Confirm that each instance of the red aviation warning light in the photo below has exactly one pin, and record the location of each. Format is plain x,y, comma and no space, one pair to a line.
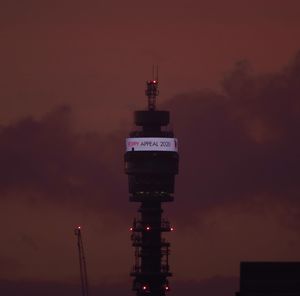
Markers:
144,288
77,230
152,90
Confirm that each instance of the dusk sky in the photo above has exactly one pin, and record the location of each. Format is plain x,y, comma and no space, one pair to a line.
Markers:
73,72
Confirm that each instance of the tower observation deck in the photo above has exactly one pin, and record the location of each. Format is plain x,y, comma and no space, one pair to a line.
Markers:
151,163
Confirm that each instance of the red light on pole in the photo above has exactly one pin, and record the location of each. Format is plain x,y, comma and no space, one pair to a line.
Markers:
148,228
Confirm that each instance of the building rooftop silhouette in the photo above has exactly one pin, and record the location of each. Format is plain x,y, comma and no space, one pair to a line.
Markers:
269,279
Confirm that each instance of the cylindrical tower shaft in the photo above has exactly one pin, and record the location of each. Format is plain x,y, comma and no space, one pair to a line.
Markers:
151,163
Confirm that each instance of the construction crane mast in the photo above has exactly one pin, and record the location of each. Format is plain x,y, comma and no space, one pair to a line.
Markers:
82,263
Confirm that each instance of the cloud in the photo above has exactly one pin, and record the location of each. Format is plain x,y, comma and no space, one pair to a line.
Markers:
236,145
241,143
47,158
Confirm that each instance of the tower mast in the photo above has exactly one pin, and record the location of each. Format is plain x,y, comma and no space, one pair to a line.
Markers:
151,163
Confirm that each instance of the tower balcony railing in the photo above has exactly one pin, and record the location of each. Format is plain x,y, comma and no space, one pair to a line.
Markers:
164,268
162,196
139,226
138,241
165,252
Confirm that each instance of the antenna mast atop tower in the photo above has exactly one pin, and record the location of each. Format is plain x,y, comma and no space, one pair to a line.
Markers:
152,89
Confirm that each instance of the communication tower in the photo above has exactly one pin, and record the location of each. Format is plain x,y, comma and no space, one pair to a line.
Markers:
151,163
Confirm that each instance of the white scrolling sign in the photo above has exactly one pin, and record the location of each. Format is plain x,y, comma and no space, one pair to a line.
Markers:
152,144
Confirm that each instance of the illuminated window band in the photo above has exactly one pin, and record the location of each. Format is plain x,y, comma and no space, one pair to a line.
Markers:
152,144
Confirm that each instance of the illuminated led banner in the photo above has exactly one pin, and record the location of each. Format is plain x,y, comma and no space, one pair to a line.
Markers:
151,144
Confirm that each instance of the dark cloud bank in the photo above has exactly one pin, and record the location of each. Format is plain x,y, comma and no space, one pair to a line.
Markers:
47,159
234,146
241,143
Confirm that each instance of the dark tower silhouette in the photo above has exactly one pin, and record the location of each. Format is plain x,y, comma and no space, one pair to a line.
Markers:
151,163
